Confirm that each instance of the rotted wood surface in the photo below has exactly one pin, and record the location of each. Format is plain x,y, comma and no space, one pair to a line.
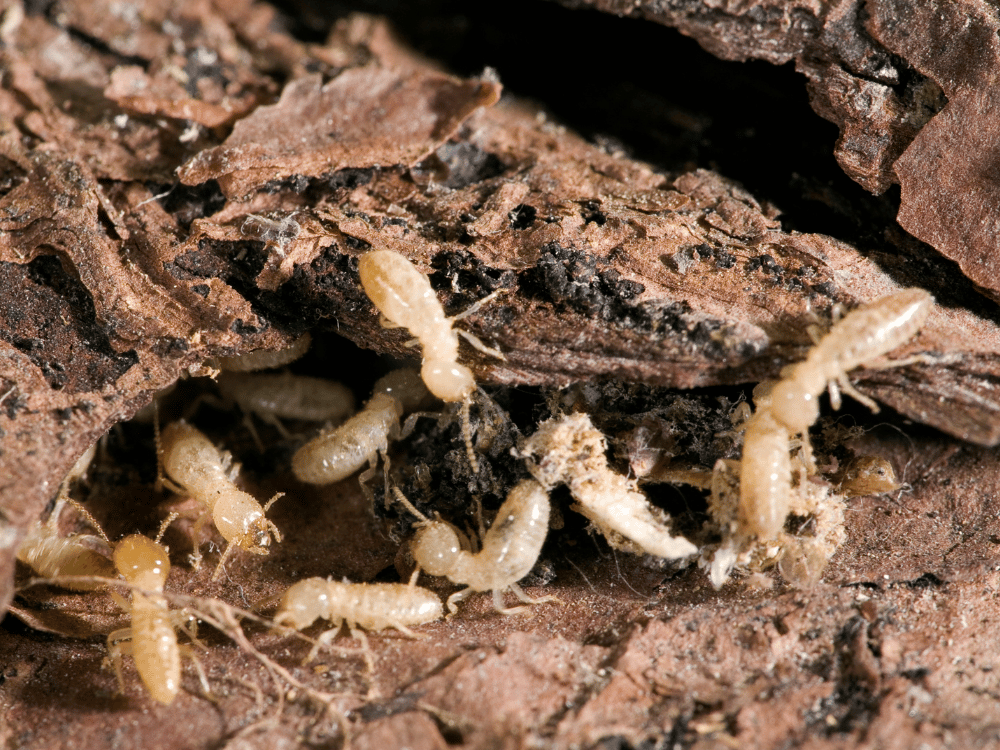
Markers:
193,182
910,84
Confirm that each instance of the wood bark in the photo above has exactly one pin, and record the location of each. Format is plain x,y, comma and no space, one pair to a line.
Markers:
192,182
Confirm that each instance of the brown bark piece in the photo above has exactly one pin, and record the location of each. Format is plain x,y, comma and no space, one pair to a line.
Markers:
365,117
410,730
949,174
853,80
933,133
134,91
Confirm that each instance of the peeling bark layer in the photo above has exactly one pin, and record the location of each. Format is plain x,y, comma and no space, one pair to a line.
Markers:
911,85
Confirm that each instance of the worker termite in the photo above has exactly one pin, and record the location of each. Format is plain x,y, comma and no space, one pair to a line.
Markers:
152,640
266,360
336,454
788,408
372,606
197,467
800,549
509,550
274,396
570,450
405,298
52,555
765,475
860,338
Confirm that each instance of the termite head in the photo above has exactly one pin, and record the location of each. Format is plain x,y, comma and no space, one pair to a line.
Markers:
405,387
255,537
868,475
436,548
142,561
794,405
241,521
449,381
302,603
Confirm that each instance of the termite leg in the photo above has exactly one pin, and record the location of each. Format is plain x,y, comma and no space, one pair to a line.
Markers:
199,525
367,475
222,561
276,423
411,422
498,605
384,322
248,423
188,652
455,598
187,623
327,636
119,645
845,385
519,593
478,344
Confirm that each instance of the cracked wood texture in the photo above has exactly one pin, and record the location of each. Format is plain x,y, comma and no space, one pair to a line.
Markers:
910,84
187,180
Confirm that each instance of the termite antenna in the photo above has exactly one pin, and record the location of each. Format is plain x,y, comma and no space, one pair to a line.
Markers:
163,526
87,517
272,501
408,505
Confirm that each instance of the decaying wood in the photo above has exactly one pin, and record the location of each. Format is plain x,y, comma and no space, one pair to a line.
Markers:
191,181
912,86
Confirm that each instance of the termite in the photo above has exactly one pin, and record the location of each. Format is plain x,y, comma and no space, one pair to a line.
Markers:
267,360
198,469
859,338
52,555
274,396
868,475
790,406
765,475
509,550
372,606
405,298
570,450
336,454
144,564
800,550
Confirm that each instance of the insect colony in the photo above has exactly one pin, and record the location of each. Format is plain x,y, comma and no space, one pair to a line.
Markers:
752,504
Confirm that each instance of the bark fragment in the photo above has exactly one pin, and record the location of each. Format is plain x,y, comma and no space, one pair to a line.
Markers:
911,85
